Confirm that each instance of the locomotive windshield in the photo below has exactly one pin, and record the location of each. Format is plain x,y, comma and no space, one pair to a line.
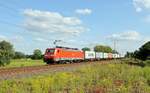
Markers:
50,51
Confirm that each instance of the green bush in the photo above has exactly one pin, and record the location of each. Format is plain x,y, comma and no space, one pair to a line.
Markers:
6,53
37,54
147,62
19,55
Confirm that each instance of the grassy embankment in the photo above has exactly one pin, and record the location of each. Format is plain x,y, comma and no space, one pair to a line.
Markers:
94,78
24,62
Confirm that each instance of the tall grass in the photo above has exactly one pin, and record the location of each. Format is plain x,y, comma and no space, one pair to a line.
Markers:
24,62
95,78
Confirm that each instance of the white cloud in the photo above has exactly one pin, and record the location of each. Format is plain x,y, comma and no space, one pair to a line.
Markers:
141,4
41,40
14,39
146,39
84,11
128,35
51,22
3,38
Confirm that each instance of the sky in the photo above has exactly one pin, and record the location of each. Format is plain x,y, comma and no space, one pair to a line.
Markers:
36,24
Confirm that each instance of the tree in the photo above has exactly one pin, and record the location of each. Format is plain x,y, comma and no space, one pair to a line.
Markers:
19,55
101,48
86,49
136,54
115,52
6,53
144,51
37,54
29,56
129,55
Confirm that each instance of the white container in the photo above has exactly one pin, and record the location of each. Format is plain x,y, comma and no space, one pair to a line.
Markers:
99,55
122,56
115,55
118,56
89,55
105,55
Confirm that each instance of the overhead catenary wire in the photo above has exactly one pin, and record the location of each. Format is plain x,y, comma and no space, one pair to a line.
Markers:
15,3
12,12
9,11
11,24
8,7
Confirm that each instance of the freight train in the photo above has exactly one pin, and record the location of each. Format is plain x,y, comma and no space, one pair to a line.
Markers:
71,55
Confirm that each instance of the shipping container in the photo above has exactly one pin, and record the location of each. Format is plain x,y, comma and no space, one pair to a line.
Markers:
105,55
122,56
99,55
118,56
114,55
110,56
89,55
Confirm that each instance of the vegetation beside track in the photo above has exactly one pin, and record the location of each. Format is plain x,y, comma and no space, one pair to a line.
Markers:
24,62
132,61
93,78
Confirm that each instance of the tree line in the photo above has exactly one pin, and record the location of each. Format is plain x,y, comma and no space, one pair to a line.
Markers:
7,53
37,54
143,53
101,48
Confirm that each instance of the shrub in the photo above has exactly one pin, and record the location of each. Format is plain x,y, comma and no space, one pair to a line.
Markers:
37,54
6,53
147,62
19,55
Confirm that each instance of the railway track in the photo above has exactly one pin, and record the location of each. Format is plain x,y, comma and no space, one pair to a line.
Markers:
20,72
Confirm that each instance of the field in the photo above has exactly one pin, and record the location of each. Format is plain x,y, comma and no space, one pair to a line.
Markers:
91,78
24,62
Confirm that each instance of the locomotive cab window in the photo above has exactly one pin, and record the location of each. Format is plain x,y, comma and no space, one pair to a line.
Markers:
50,51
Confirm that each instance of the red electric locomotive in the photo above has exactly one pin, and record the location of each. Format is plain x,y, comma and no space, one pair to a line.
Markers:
63,54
